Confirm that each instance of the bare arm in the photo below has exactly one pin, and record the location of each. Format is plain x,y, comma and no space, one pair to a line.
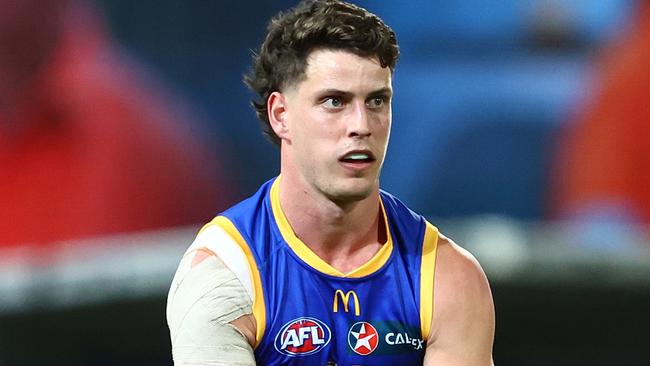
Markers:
209,313
462,330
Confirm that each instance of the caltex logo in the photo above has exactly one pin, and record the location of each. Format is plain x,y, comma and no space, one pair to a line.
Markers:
363,338
302,336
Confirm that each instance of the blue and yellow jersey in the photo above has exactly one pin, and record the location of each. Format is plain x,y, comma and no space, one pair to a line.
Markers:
309,313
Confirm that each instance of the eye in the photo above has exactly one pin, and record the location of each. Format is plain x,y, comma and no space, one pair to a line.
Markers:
333,102
376,102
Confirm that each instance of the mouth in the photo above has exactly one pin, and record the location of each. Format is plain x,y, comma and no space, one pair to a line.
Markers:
361,157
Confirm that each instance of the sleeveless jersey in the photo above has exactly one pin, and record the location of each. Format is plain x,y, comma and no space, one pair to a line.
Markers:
309,313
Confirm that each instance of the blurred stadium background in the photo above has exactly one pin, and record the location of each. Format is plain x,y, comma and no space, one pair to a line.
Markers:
483,89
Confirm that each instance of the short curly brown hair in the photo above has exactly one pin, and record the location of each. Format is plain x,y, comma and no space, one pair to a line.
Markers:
312,24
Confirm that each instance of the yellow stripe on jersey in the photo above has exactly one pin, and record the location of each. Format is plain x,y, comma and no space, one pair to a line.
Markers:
259,308
311,258
427,273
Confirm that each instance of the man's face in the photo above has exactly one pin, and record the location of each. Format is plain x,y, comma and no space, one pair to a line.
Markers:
339,120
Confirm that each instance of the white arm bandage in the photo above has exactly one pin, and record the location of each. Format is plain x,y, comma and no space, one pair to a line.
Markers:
204,298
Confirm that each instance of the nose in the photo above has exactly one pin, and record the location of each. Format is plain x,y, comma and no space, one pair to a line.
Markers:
359,124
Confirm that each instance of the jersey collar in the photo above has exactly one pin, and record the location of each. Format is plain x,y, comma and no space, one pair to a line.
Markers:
311,258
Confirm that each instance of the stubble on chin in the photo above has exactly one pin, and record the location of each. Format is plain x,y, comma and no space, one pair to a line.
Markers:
344,195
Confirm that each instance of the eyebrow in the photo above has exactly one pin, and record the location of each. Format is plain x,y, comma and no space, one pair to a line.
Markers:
337,92
383,91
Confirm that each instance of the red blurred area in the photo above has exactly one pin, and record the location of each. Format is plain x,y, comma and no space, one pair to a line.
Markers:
603,165
89,144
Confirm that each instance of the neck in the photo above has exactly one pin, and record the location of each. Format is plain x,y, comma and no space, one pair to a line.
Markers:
344,234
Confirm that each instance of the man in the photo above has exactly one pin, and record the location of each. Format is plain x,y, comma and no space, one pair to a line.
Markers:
320,267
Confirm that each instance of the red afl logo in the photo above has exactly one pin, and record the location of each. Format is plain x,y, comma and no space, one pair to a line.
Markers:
302,336
363,338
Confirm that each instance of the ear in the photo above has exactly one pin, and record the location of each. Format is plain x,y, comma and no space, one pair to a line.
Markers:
276,106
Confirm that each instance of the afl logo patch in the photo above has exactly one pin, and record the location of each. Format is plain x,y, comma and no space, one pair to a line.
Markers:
363,338
302,336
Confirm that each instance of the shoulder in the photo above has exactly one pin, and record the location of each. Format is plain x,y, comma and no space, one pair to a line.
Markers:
461,287
216,243
401,216
463,311
212,284
458,266
209,305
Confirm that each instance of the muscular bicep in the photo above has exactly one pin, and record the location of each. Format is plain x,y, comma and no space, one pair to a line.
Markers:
463,319
209,313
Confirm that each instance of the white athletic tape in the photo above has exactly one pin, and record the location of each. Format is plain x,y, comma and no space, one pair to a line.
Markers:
218,241
202,301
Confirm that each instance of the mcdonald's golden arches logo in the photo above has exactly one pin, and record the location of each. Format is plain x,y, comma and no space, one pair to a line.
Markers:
345,297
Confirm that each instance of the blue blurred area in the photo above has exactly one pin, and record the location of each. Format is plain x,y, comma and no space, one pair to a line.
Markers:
429,27
205,47
480,90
